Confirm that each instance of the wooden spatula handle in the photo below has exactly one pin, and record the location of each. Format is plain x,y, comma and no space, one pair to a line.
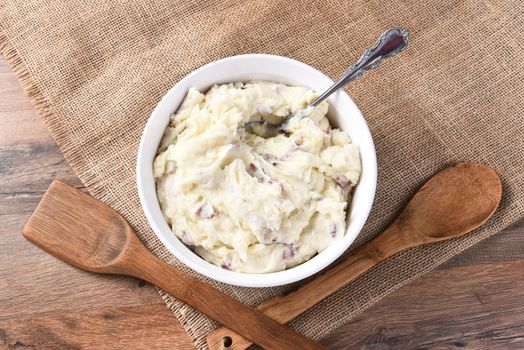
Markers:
88,234
259,328
285,308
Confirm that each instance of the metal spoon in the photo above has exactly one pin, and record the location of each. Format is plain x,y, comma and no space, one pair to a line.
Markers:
392,42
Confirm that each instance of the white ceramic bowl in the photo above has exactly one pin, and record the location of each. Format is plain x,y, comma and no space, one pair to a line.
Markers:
343,113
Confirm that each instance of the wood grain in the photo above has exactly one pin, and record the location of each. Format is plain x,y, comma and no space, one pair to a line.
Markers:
37,290
470,307
148,326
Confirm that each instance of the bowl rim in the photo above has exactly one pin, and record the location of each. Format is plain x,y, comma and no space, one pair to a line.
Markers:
272,279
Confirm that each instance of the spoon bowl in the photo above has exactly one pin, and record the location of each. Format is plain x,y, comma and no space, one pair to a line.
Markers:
452,203
389,44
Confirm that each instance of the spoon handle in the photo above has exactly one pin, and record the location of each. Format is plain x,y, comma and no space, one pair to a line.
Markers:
392,42
287,307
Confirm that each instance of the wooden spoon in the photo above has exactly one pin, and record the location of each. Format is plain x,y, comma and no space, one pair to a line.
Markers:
90,235
452,203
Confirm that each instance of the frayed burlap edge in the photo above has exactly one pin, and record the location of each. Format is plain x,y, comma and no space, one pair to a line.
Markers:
17,64
45,113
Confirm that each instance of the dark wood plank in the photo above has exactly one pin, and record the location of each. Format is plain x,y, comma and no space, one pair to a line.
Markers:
469,307
506,245
147,326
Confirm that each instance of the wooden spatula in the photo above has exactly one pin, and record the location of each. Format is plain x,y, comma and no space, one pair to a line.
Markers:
88,234
452,203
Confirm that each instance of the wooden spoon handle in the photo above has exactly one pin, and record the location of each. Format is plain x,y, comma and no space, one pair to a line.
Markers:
285,308
452,203
254,325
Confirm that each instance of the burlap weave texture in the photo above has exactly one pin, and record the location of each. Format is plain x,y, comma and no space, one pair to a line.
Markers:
96,69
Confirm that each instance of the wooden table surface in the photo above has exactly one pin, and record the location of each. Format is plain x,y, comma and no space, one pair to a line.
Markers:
475,301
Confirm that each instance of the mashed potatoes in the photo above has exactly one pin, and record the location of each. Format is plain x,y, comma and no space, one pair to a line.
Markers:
251,204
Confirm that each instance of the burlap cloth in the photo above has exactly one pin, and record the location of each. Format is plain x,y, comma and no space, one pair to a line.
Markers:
96,69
